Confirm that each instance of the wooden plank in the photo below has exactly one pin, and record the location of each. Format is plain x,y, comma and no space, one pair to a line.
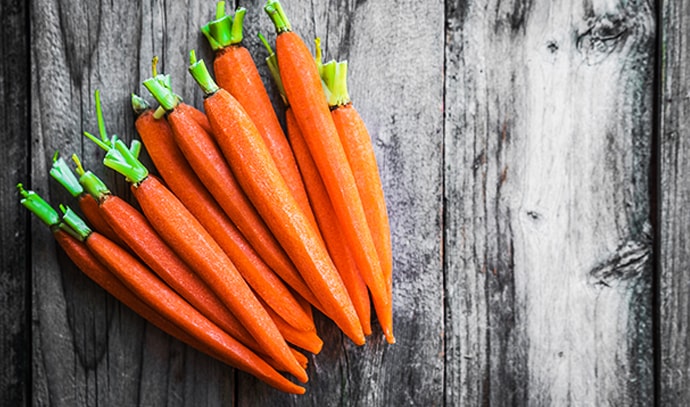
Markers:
14,276
674,192
401,102
547,149
88,349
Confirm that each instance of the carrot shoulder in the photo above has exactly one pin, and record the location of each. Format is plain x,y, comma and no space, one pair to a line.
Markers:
305,94
183,232
256,171
236,72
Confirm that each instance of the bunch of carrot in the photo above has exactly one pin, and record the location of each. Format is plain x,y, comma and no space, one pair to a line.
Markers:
242,234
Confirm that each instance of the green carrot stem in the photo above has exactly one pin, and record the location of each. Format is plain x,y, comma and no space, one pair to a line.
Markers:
162,92
99,116
201,75
275,11
63,174
120,159
139,104
319,55
135,148
272,62
104,145
38,206
159,113
225,30
334,76
73,224
93,185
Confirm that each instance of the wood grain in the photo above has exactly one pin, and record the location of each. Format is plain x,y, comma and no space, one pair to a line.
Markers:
88,349
547,148
514,144
674,190
14,254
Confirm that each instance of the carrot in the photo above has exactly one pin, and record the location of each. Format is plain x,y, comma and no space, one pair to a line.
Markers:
207,161
188,238
256,171
325,215
61,172
183,182
323,209
79,253
170,305
356,142
305,94
139,235
236,72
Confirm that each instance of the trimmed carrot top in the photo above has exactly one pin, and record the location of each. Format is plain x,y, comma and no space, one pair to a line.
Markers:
225,30
63,174
275,11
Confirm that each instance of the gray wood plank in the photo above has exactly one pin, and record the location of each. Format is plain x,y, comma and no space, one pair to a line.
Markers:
547,252
401,101
14,287
521,128
674,191
87,348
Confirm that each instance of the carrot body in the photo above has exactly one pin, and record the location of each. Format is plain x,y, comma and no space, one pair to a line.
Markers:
183,182
200,118
357,145
236,72
181,230
165,301
252,162
328,223
305,93
139,235
207,160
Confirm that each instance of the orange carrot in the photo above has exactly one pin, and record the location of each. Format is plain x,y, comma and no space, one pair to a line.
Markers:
305,94
70,234
250,159
158,138
323,209
206,158
165,301
236,72
188,238
139,235
325,216
360,154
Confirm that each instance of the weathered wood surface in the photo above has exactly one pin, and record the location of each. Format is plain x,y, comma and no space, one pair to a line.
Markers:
674,201
547,145
514,140
14,274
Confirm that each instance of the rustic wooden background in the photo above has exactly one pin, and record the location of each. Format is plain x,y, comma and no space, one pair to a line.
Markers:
533,155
